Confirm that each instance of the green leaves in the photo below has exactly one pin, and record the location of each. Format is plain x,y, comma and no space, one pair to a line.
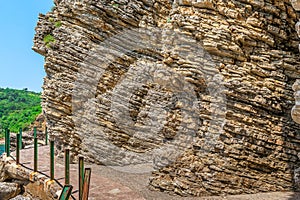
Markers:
57,24
18,108
116,5
48,40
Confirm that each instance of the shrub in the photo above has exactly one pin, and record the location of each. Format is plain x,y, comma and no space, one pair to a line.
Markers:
115,5
48,40
57,24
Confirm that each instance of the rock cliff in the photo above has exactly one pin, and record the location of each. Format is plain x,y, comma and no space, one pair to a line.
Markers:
198,91
296,109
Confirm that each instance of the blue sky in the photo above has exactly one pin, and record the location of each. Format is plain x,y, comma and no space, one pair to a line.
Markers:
21,67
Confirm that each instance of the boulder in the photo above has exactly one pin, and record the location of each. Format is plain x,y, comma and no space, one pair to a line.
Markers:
20,197
9,190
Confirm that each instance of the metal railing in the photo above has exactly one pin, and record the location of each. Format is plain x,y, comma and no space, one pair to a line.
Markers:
84,173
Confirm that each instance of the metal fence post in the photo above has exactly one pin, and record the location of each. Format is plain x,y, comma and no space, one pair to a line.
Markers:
67,166
7,144
81,176
5,137
46,136
21,144
18,149
66,192
51,160
35,151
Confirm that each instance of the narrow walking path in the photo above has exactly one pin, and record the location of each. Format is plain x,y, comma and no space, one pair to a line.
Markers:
111,184
100,187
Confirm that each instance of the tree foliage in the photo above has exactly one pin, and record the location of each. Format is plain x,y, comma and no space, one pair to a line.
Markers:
18,108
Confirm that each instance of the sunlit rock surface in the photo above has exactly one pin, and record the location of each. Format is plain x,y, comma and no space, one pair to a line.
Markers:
199,92
296,108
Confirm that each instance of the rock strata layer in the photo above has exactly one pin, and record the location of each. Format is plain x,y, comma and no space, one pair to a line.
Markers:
296,108
200,91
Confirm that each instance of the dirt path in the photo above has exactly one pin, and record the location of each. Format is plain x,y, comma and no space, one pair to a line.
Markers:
108,183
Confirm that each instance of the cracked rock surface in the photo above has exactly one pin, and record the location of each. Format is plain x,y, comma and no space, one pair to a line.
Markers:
200,92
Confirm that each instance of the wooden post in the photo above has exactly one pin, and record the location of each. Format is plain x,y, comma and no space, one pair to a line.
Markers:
86,184
81,176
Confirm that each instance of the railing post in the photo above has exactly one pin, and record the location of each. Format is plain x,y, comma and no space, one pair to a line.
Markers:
67,166
7,142
86,184
51,160
18,149
66,192
81,176
35,151
20,142
5,137
46,136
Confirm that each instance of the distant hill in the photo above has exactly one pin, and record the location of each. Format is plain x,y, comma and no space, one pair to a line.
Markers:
18,108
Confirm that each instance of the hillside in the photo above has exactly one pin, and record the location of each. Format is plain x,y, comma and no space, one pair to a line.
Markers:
18,108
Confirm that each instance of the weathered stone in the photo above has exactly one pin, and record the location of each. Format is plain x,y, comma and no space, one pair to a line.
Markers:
201,90
20,197
34,185
296,108
9,190
296,4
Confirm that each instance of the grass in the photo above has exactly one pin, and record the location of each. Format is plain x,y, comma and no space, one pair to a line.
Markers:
48,40
51,19
115,5
57,24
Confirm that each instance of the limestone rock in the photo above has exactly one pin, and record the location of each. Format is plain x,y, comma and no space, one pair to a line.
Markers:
9,190
200,91
20,197
296,4
296,108
3,172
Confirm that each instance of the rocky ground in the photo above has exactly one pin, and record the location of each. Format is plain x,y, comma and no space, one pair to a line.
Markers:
10,187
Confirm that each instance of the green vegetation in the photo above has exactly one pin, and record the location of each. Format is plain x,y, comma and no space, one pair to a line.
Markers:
115,5
54,22
48,39
57,24
51,20
18,109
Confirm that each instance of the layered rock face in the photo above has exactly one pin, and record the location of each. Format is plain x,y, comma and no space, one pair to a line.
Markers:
198,91
296,108
296,87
